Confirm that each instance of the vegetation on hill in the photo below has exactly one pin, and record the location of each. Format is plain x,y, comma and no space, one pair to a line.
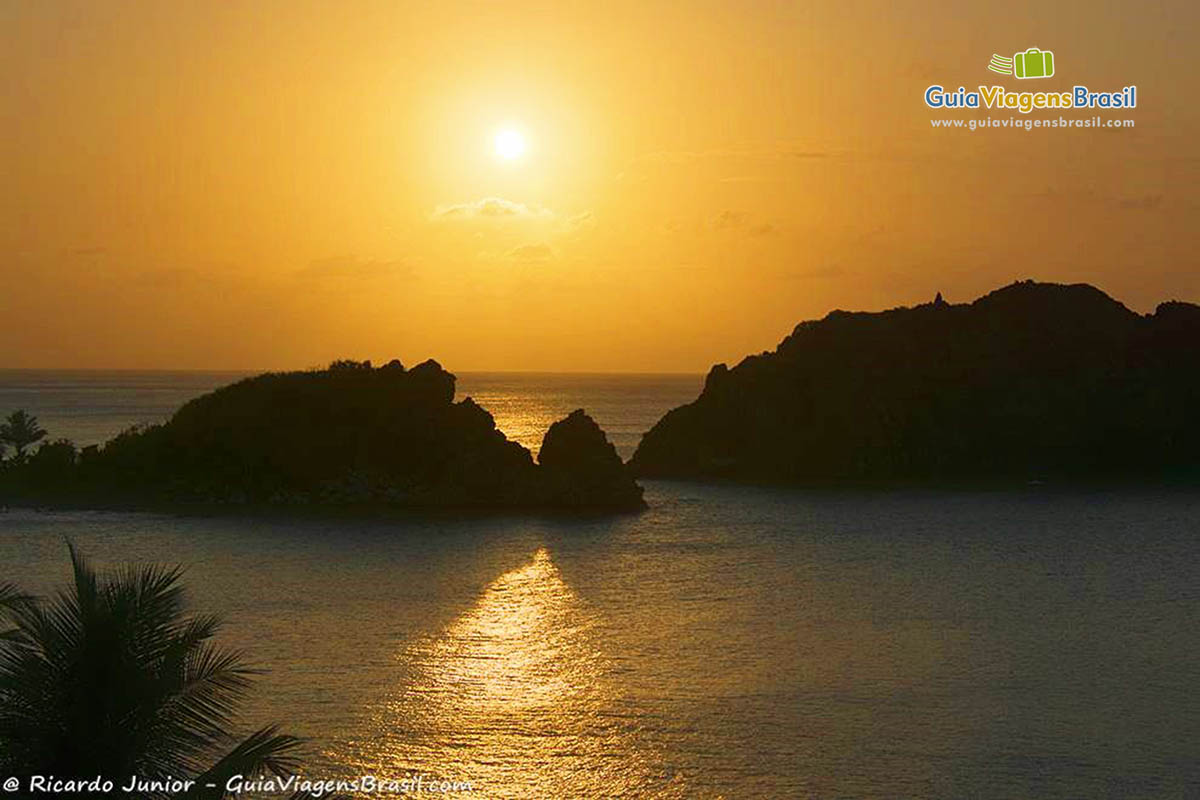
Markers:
350,435
1032,381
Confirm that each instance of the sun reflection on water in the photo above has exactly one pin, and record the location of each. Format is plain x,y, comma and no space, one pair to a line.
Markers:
514,696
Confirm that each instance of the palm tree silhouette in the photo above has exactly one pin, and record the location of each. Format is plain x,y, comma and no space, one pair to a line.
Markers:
112,678
21,429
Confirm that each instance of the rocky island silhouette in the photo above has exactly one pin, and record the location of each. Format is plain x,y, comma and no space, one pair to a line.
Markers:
1032,382
350,436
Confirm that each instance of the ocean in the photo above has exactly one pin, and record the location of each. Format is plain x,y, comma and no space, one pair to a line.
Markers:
728,642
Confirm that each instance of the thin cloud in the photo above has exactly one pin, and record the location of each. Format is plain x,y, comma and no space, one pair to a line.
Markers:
1142,202
1147,202
491,208
738,165
531,253
740,222
752,154
729,220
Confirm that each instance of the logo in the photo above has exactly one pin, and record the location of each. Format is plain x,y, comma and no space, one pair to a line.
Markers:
1025,65
1033,63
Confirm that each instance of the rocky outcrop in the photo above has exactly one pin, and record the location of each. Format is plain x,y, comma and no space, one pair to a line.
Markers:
582,468
347,436
1032,381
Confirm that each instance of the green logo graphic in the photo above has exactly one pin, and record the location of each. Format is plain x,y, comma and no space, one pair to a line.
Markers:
1033,63
1001,64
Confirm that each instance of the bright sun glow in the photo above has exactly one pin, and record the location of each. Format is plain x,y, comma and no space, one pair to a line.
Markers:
510,144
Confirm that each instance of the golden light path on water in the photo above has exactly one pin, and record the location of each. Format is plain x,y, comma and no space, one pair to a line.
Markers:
514,696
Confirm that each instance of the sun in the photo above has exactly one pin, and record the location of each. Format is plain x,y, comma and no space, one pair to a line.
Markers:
509,144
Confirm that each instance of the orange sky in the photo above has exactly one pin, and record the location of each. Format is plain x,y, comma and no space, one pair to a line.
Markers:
269,185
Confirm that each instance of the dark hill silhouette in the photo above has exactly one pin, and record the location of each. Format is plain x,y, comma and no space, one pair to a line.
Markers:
350,435
580,463
1031,381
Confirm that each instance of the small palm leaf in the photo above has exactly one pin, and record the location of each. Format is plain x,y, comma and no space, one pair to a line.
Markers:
265,750
10,600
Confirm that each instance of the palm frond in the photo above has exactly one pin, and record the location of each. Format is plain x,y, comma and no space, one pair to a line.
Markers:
85,579
112,676
201,687
11,599
265,750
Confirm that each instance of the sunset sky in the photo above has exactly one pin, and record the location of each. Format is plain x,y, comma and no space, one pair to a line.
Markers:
271,185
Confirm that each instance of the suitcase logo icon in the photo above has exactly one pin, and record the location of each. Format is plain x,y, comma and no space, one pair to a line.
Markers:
1033,63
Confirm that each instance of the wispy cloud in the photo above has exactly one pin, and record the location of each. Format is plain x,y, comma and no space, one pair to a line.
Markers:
491,208
1150,201
766,164
581,220
740,222
531,253
782,151
1147,202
